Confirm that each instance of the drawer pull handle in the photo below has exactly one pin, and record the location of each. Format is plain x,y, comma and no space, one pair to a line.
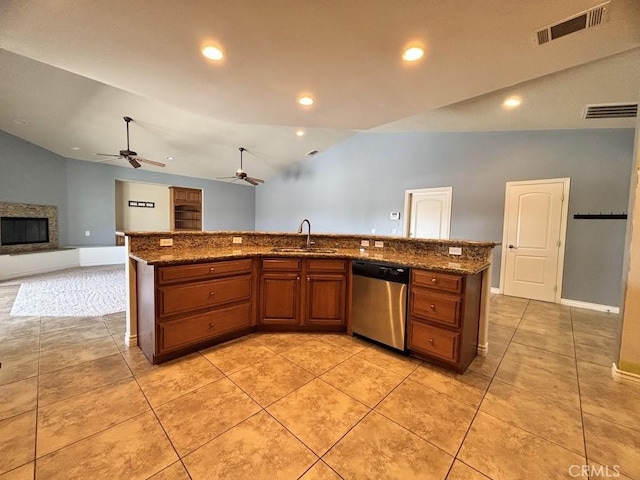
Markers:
308,279
212,325
212,269
431,341
432,306
434,280
211,294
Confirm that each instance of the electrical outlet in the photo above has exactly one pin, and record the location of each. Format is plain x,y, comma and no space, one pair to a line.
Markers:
364,243
166,242
455,250
394,216
373,230
394,231
237,239
379,244
87,233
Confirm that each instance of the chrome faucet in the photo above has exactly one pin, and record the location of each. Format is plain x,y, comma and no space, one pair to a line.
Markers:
308,231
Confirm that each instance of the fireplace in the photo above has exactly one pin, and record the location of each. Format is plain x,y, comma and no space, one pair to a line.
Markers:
23,230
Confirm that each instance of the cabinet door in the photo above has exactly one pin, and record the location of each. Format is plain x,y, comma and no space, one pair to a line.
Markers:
325,299
193,196
279,299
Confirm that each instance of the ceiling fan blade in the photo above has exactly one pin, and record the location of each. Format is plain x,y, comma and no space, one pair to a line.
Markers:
134,163
257,180
226,178
251,181
150,162
107,155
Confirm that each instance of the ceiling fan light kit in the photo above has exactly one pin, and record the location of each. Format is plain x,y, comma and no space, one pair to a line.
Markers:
132,157
242,175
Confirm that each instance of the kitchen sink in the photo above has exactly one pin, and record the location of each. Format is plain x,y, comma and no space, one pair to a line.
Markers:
303,250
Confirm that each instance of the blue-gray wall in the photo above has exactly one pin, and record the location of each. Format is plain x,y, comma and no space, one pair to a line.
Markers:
84,192
353,186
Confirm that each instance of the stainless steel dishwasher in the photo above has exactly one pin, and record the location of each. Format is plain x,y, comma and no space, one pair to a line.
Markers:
379,307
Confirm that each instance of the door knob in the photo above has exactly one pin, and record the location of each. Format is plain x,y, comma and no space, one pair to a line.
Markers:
512,247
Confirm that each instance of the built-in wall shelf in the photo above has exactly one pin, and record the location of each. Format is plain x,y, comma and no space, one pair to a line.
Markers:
186,208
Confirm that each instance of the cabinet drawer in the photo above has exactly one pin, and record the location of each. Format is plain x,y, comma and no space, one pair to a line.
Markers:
192,296
287,264
321,265
186,331
433,341
438,281
435,307
201,271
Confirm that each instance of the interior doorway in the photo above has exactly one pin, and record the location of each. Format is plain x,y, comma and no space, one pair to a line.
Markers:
535,227
427,212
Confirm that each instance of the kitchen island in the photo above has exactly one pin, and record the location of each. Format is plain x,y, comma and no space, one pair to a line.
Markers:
189,290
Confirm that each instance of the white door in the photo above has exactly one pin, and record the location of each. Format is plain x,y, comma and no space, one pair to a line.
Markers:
427,212
533,241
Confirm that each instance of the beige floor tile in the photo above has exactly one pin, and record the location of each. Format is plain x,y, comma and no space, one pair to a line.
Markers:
17,327
18,397
461,471
502,451
17,440
589,340
548,309
176,378
19,346
270,380
396,362
320,471
596,355
604,325
500,332
535,380
545,325
318,414
365,381
605,472
498,347
259,448
379,448
429,414
138,363
486,365
175,471
467,388
561,343
616,402
49,324
593,373
511,304
69,336
78,417
76,353
78,379
281,342
611,444
550,362
504,320
25,472
199,416
135,449
348,343
18,366
233,356
546,418
316,356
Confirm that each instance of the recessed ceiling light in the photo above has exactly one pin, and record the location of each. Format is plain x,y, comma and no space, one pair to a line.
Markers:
169,158
19,122
512,102
305,100
75,148
214,53
300,133
412,54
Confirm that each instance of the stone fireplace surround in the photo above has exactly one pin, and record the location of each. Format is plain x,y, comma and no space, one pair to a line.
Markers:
36,211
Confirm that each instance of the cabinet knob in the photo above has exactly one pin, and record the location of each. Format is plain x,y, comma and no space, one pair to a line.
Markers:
431,341
212,325
434,280
297,279
211,294
212,269
432,306
308,279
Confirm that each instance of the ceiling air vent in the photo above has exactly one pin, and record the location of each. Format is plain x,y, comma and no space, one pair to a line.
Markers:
590,18
611,110
312,153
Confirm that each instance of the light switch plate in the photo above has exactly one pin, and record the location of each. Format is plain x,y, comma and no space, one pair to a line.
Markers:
166,242
364,243
237,239
379,244
455,250
394,216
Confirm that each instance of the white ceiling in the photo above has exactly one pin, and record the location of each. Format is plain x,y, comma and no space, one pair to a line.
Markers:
73,68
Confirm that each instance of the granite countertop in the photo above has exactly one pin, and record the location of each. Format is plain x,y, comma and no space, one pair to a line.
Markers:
196,255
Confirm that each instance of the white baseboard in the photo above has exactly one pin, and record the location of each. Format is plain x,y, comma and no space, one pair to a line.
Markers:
496,290
589,306
483,350
131,340
624,377
93,256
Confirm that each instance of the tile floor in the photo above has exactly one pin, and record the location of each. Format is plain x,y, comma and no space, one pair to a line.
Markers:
76,403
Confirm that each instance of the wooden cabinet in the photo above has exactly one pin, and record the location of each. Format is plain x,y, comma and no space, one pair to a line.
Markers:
305,293
187,307
185,208
444,314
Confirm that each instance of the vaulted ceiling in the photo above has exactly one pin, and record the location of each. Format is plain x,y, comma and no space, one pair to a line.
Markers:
71,69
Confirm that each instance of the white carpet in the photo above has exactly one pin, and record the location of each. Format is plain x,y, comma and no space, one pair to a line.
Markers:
78,292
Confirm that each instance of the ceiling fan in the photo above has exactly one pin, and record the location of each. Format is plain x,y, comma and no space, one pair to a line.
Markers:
241,174
128,154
